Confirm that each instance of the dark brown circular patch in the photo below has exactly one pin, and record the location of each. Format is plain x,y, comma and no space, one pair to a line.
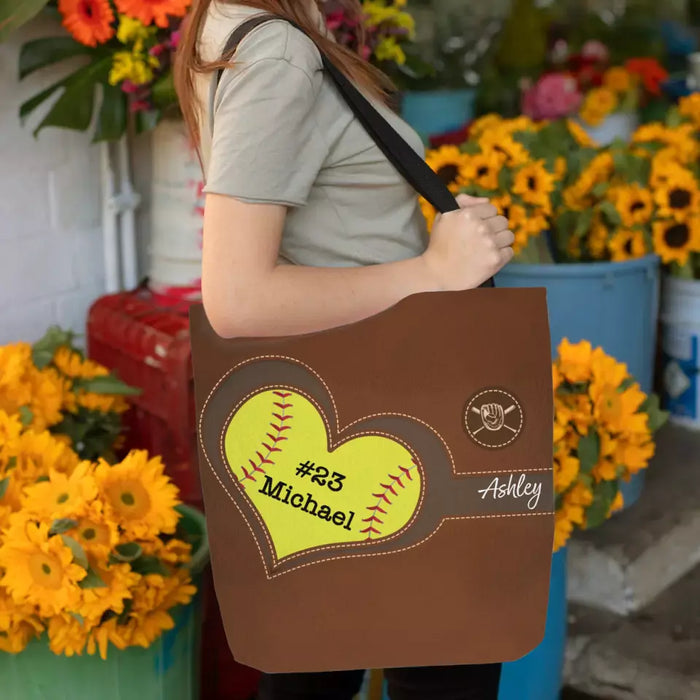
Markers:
493,418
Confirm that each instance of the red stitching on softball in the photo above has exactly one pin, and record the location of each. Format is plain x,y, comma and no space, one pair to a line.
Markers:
264,460
388,488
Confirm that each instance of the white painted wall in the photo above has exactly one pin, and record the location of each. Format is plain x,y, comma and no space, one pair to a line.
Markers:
50,236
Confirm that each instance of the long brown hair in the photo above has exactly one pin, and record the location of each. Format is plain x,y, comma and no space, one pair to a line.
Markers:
188,61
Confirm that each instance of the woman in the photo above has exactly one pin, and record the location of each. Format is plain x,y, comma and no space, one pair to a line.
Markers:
307,226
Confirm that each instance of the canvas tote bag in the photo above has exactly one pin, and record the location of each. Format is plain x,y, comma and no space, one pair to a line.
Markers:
380,494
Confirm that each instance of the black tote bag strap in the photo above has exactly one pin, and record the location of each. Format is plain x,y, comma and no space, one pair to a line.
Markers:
411,166
406,161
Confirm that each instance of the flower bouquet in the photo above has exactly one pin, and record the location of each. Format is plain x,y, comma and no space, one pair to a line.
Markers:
126,47
603,434
587,88
51,386
90,553
378,35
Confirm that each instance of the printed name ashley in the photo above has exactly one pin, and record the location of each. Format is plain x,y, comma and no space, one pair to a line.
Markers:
306,503
520,488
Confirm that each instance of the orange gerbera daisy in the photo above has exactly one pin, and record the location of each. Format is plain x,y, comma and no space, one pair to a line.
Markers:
91,22
153,11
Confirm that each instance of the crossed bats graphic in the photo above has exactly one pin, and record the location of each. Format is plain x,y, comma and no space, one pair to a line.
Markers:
493,417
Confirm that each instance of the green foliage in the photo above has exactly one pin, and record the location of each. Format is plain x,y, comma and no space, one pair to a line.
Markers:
15,13
43,350
92,433
603,497
589,451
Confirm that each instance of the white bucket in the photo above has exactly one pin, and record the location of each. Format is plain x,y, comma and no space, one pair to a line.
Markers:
619,125
176,211
680,316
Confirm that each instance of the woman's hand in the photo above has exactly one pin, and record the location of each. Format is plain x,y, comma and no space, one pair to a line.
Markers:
468,246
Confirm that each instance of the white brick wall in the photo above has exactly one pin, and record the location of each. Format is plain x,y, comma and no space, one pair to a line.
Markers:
50,234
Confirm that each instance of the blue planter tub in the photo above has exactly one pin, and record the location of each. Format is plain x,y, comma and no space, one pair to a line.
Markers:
614,305
539,675
436,112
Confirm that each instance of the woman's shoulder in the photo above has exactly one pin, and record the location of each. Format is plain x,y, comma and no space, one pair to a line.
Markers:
274,40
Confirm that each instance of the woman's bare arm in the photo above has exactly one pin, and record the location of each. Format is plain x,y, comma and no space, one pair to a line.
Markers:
246,293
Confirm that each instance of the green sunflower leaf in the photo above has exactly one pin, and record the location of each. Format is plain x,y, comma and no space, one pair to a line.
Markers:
43,350
62,525
589,451
657,417
126,552
611,213
78,617
4,483
92,580
26,415
145,565
124,616
603,497
109,384
78,552
11,463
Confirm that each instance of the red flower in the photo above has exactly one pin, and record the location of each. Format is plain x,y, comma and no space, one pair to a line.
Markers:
652,73
451,138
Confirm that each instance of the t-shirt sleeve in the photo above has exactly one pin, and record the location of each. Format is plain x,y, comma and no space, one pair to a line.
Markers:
265,143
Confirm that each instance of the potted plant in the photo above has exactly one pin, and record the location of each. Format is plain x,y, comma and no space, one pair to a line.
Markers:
97,559
603,434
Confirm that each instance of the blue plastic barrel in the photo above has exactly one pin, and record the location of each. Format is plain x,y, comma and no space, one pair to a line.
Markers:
614,305
436,112
539,675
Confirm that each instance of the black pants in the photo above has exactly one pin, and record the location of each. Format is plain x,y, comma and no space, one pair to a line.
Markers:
438,683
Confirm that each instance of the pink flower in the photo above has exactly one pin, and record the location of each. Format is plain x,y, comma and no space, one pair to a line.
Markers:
595,50
139,106
554,95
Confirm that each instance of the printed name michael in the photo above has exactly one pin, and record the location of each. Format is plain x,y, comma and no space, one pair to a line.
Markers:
306,503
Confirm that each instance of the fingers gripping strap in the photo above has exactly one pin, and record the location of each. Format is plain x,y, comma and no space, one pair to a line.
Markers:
407,162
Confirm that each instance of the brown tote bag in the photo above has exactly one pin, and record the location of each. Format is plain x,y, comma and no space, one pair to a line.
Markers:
380,494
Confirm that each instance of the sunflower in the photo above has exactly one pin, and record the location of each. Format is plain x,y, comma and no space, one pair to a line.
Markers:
448,163
73,365
680,141
153,599
62,496
173,552
635,452
485,124
67,634
563,529
627,244
153,11
634,203
18,624
38,569
579,134
618,79
566,469
118,581
534,183
597,240
89,21
675,240
97,534
529,225
679,196
429,212
690,107
502,142
575,361
482,169
597,105
138,496
104,403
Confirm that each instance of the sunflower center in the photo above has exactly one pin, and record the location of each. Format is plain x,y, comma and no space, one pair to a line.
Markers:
532,183
130,499
636,206
506,212
679,198
89,533
448,173
45,570
62,498
628,246
483,171
677,236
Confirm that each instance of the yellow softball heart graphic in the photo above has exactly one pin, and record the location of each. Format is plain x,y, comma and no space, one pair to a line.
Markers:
310,493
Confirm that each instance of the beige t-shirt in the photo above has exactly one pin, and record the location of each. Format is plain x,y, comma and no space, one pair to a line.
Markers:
277,131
